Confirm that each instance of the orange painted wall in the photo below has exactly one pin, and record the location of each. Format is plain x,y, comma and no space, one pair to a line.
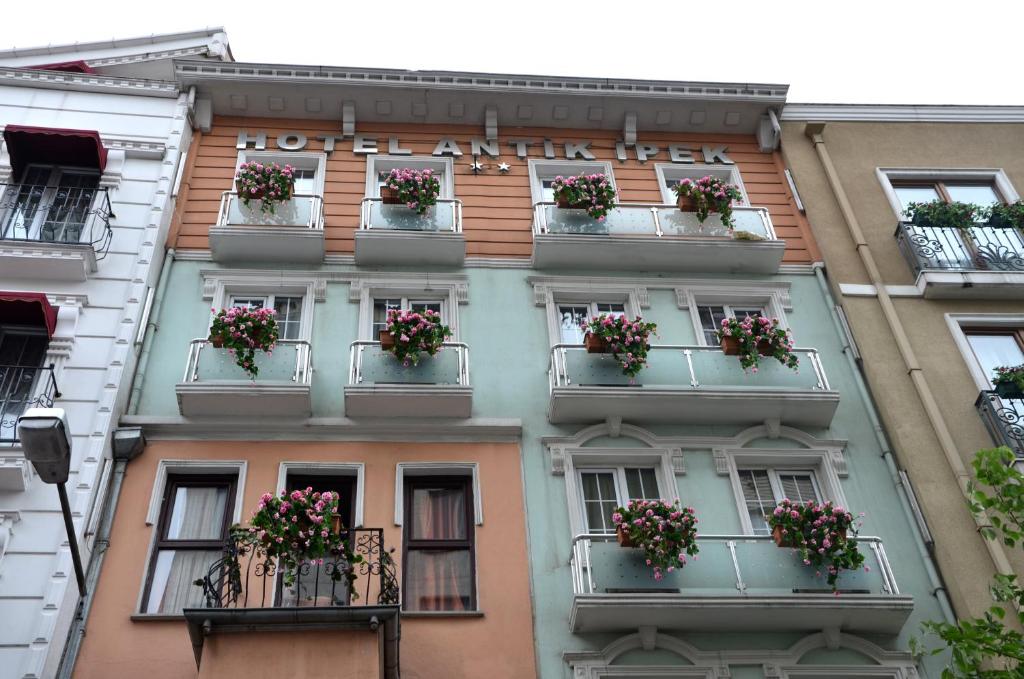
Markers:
118,646
497,209
335,654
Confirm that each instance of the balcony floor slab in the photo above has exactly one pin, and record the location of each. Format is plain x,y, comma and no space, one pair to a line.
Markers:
244,243
996,285
408,400
243,399
408,247
52,261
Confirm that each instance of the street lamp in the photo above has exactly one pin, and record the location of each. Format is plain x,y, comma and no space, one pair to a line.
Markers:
46,440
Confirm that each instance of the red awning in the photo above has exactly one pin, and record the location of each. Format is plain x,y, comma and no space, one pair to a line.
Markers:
54,146
66,66
28,308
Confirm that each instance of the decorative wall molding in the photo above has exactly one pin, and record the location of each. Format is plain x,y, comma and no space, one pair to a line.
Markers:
86,82
215,281
417,283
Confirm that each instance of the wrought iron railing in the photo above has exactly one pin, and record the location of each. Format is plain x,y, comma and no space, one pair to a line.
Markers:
740,564
368,364
303,210
292,360
23,387
76,215
649,219
1004,419
977,248
361,573
683,366
445,216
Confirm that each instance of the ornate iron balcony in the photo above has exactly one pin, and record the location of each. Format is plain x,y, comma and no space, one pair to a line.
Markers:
1004,419
69,215
23,387
977,248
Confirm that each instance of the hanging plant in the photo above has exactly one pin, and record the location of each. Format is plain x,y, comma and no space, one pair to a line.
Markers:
707,195
244,331
666,532
268,183
942,215
410,333
824,535
416,189
590,192
754,337
628,341
1007,216
1009,381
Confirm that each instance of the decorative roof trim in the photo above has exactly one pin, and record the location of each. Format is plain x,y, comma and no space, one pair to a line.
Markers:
154,39
87,82
909,113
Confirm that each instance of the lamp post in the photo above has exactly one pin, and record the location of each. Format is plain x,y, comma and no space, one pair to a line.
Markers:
46,440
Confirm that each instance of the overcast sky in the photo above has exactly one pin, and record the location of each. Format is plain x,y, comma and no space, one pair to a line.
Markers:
897,51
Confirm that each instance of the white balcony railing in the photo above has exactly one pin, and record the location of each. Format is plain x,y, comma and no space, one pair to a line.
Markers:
648,219
369,364
290,362
303,210
444,217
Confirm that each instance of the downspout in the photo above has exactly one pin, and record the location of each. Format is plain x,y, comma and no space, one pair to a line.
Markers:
938,589
147,339
102,542
815,132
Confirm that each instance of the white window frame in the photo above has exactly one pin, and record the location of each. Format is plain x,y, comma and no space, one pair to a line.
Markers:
676,171
269,301
772,297
306,160
730,310
621,484
592,311
820,462
957,322
997,176
548,169
407,301
633,298
226,288
471,469
377,164
776,484
354,469
451,291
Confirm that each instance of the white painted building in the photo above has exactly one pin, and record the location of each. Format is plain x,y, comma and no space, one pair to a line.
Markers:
91,149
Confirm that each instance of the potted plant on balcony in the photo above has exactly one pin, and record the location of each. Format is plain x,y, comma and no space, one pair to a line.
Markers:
823,534
665,531
942,215
300,527
244,331
1009,216
416,189
757,336
628,341
269,183
1009,381
591,192
411,333
708,195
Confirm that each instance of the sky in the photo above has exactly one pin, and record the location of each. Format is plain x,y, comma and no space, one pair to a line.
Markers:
870,52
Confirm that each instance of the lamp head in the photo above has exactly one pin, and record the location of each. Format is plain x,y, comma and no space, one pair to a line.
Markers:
46,440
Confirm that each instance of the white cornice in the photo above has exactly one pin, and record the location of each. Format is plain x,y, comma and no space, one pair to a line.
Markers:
86,82
154,39
902,113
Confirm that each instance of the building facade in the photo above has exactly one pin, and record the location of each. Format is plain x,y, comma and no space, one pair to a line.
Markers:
933,310
92,139
492,470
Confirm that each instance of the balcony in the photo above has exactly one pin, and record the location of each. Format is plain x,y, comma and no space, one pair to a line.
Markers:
738,583
214,385
980,262
53,232
293,233
394,234
380,386
1004,419
688,385
21,387
654,237
345,633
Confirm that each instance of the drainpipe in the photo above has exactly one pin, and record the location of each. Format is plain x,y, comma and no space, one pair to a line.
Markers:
934,578
76,633
147,339
815,132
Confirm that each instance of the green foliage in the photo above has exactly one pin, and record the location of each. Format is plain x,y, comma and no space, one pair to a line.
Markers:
416,333
628,340
1011,215
590,192
825,536
942,215
710,194
242,332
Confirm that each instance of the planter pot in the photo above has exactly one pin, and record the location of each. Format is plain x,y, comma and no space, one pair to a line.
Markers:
336,523
686,204
251,196
387,340
786,541
389,196
765,348
730,346
564,204
1009,390
595,344
623,536
217,341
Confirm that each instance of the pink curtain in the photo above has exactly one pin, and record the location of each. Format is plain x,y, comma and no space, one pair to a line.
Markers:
438,579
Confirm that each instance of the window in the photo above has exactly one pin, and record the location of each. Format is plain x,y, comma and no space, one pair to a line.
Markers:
22,352
50,204
670,174
309,168
543,173
995,347
607,488
711,316
193,527
572,316
763,489
378,167
382,305
439,563
288,308
981,193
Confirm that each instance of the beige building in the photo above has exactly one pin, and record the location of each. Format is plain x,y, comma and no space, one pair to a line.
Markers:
932,311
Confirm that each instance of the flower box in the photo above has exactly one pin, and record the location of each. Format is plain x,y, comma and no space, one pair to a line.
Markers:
706,196
1009,381
217,341
737,338
765,348
387,340
389,196
818,533
666,532
254,194
730,346
412,333
269,183
624,539
786,541
244,331
591,192
1009,390
595,344
416,189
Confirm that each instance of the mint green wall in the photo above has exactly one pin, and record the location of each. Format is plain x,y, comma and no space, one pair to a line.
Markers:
508,339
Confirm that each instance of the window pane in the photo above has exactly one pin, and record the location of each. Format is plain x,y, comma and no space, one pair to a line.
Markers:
249,302
915,194
758,497
642,483
438,580
305,180
289,316
438,514
174,576
423,306
546,193
603,308
380,313
570,318
599,500
993,351
980,195
710,320
799,487
198,513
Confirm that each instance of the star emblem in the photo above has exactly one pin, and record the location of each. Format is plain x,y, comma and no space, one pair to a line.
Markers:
504,168
476,166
